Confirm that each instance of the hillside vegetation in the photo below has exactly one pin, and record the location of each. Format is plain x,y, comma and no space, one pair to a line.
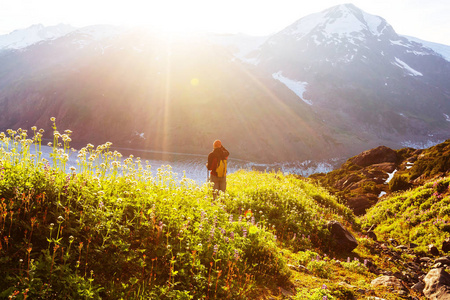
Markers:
115,228
364,178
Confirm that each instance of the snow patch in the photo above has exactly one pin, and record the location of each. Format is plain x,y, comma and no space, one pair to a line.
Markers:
406,67
23,38
443,50
419,53
391,175
400,43
381,194
141,135
447,117
298,87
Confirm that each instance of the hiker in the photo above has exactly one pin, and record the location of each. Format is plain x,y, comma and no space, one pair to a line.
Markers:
217,164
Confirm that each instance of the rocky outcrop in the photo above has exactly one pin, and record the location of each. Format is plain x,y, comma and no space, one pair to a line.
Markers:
391,282
342,239
437,284
374,156
360,203
365,178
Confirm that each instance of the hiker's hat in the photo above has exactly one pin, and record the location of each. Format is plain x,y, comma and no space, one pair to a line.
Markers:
217,144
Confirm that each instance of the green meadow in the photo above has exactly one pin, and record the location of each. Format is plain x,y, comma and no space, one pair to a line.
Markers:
117,228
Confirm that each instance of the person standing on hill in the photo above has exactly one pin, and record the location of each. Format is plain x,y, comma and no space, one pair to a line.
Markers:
217,165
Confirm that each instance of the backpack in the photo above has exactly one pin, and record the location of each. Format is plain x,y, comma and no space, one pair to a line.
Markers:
221,169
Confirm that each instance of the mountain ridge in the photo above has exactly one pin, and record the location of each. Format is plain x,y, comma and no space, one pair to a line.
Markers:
305,100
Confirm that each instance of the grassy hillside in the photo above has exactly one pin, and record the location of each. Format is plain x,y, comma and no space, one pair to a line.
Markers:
115,228
420,216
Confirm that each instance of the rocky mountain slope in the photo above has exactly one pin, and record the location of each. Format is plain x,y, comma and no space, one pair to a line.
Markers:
365,178
329,86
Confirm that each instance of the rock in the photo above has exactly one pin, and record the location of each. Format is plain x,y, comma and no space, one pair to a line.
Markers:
412,265
381,154
286,293
360,203
393,242
433,250
372,235
425,259
389,281
418,287
446,245
342,239
445,260
437,285
402,247
437,265
412,245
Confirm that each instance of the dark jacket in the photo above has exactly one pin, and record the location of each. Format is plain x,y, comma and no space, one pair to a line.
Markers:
213,158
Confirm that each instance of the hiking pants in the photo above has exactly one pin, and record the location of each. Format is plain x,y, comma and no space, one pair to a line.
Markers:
220,183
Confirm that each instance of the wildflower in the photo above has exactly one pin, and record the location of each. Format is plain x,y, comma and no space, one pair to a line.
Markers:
232,235
216,248
244,232
236,254
248,214
324,287
325,297
53,119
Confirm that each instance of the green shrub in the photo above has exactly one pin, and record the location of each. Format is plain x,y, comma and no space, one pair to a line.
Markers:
399,183
319,268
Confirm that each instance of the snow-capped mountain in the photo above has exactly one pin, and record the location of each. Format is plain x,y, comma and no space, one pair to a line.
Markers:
23,38
331,85
353,68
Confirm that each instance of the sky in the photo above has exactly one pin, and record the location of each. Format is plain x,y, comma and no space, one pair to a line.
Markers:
425,19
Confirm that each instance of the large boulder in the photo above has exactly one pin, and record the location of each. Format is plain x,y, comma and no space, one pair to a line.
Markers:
391,282
437,285
446,245
360,203
381,154
342,239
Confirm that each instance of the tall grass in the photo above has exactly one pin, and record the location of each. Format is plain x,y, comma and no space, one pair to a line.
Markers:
111,228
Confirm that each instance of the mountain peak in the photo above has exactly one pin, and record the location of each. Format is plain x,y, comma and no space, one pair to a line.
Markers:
345,20
23,38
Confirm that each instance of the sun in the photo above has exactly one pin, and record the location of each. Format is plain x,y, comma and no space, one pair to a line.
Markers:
170,16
